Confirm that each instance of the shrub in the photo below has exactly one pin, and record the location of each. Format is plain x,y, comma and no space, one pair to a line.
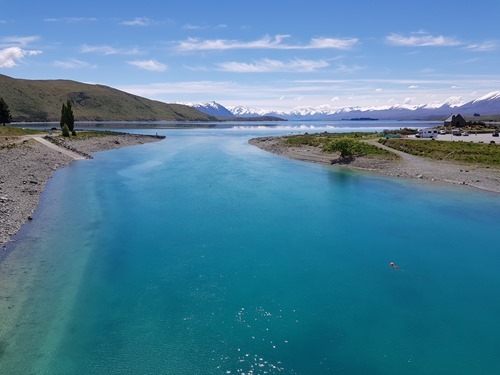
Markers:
65,130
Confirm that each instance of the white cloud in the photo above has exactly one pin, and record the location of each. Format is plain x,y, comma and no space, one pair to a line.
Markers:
20,40
413,87
139,21
10,57
421,39
379,90
71,19
108,50
72,64
151,65
267,42
483,47
204,27
268,66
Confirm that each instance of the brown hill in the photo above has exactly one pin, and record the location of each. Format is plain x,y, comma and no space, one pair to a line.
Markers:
41,100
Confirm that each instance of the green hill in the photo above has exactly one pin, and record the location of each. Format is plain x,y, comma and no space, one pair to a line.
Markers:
41,100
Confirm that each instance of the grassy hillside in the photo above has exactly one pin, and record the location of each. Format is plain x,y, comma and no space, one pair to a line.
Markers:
41,100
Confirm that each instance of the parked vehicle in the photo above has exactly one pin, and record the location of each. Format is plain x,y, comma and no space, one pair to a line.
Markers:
442,132
494,134
465,134
456,132
427,133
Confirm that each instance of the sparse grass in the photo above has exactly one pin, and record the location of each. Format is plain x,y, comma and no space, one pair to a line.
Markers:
10,131
322,139
465,152
353,143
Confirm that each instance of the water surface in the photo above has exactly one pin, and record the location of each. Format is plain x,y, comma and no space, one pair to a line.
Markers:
202,254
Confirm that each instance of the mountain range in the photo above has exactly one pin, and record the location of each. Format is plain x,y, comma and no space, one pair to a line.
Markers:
486,105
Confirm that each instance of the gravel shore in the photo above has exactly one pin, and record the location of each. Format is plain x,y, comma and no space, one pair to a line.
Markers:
26,165
405,166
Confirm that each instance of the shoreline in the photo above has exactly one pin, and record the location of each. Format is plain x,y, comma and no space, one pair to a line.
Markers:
405,166
28,165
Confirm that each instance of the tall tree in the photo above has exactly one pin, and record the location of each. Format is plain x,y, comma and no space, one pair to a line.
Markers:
67,116
5,117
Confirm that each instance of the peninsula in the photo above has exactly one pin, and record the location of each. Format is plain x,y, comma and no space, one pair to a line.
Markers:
392,162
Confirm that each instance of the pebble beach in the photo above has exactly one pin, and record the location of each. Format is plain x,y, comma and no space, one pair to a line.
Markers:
404,166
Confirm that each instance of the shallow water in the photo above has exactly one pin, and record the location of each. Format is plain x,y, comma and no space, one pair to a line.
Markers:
202,254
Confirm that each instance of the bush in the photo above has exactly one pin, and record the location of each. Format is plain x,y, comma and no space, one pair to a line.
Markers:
65,130
345,146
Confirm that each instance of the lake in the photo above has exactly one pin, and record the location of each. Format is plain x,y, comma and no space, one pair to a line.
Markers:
201,254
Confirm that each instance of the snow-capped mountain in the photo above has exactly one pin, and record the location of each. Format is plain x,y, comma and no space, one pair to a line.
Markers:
486,105
211,108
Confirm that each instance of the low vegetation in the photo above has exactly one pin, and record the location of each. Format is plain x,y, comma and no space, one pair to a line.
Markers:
464,152
348,144
11,131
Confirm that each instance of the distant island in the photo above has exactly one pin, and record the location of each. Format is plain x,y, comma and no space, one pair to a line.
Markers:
361,119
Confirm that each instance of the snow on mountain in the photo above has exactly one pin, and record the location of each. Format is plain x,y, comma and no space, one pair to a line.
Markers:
243,111
495,95
452,102
211,108
488,104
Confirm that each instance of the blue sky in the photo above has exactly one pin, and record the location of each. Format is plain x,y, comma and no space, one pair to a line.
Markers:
261,54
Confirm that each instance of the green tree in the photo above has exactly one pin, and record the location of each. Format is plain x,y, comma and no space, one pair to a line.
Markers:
345,146
5,117
65,130
67,116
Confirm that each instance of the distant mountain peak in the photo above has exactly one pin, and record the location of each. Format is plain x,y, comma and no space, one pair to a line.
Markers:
494,95
211,108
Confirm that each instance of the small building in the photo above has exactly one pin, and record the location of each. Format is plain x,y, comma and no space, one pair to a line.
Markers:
455,121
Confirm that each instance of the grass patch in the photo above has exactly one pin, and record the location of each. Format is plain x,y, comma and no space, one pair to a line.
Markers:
11,131
348,144
322,139
464,152
353,147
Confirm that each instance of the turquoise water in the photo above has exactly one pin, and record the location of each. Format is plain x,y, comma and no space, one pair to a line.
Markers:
202,254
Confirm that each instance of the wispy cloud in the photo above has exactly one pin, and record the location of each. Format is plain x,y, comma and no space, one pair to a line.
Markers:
151,65
12,56
71,19
19,40
267,42
203,27
139,21
421,39
483,47
109,50
72,64
269,66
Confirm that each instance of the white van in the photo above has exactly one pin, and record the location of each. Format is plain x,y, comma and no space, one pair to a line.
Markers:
427,133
